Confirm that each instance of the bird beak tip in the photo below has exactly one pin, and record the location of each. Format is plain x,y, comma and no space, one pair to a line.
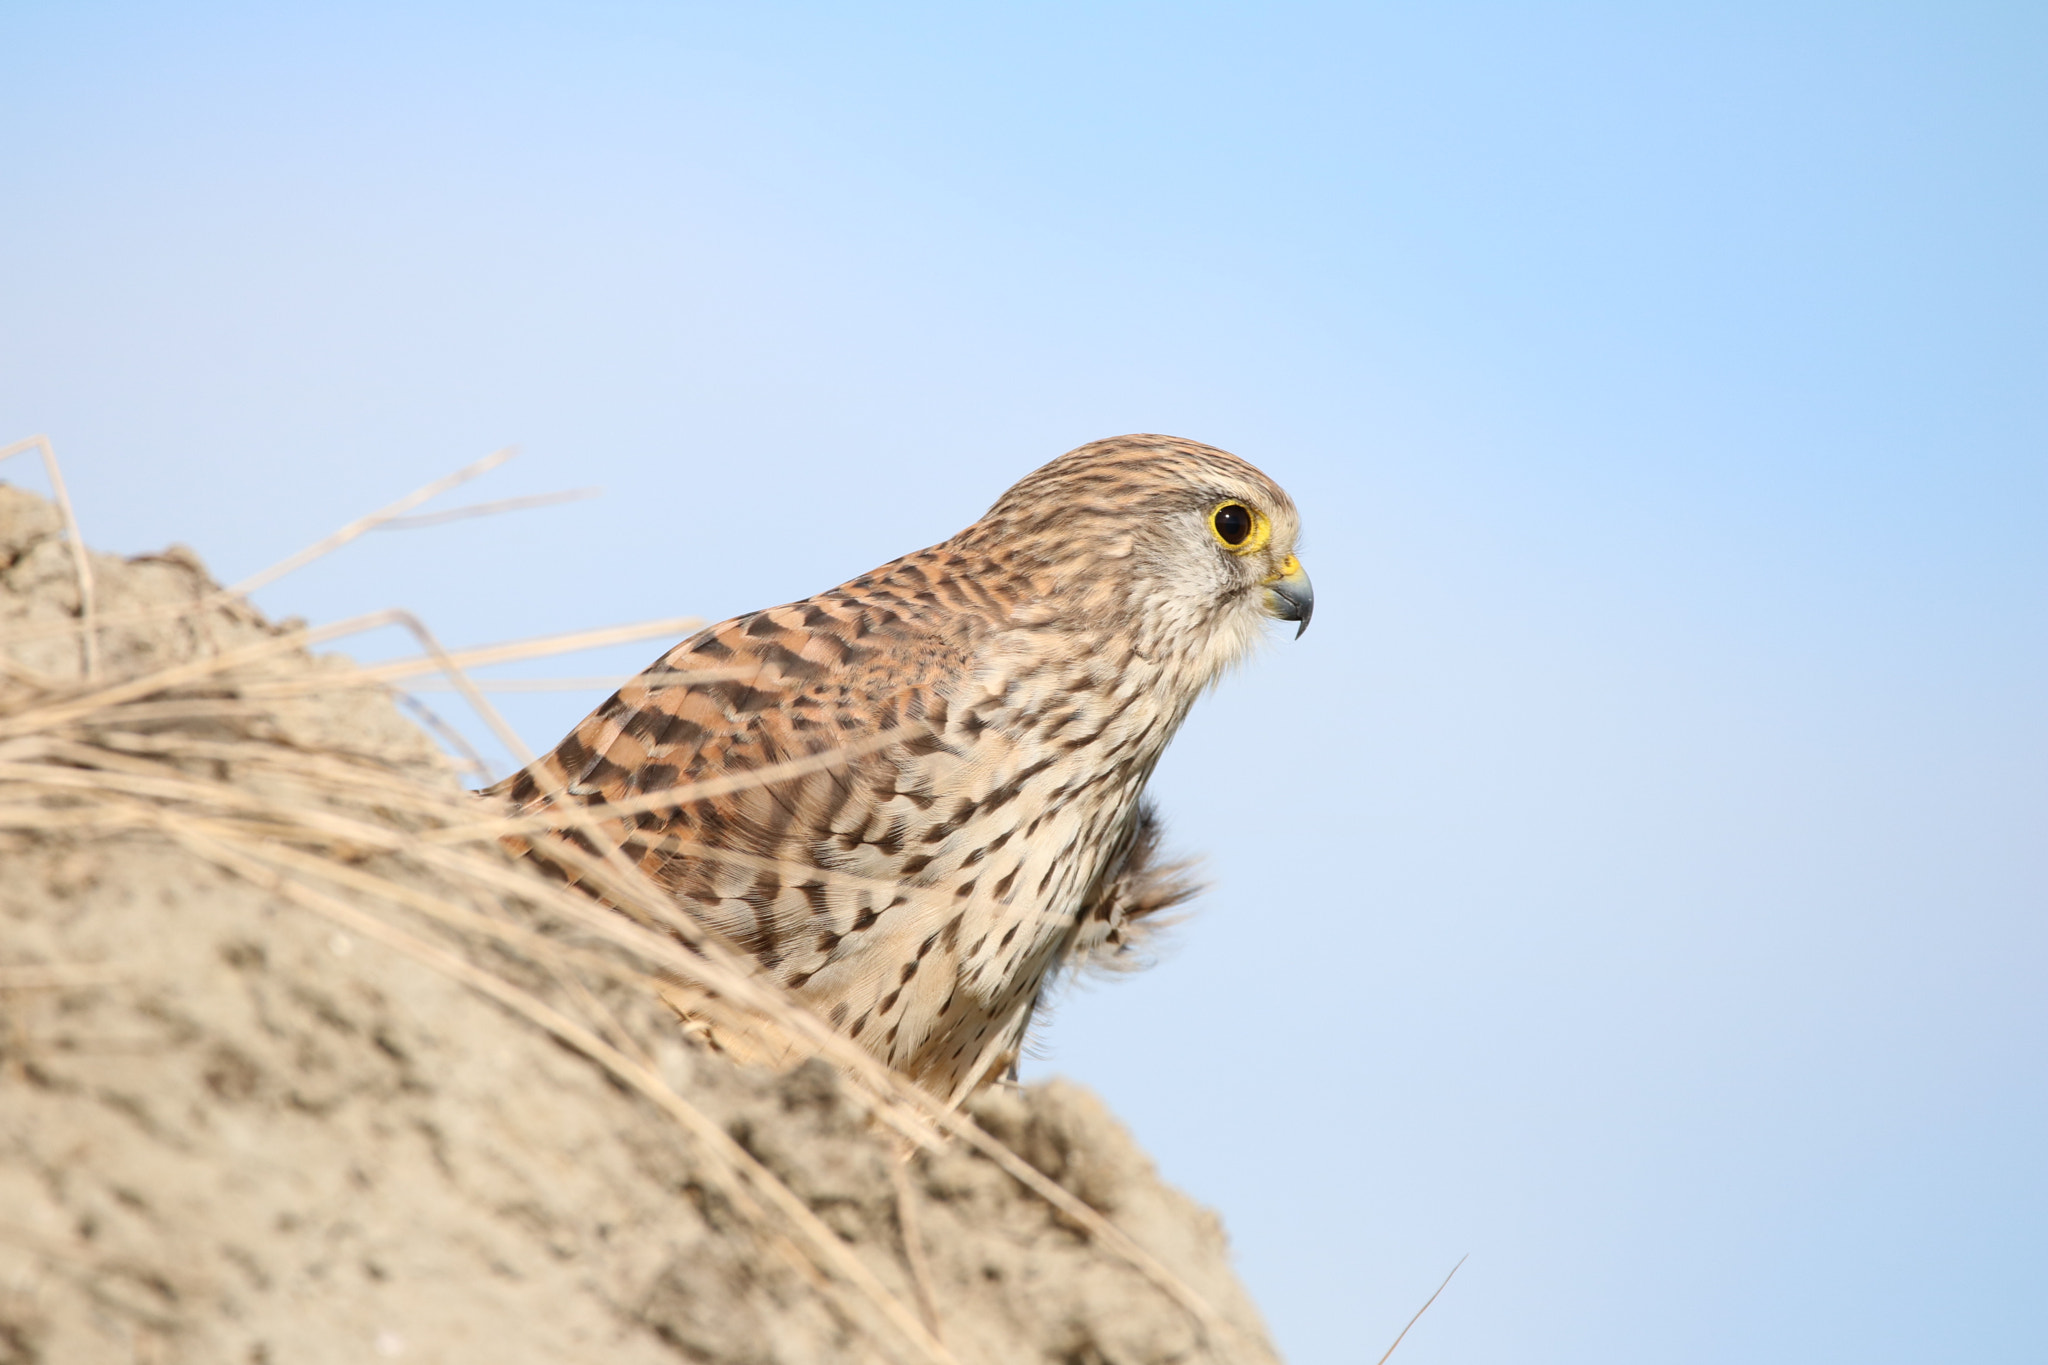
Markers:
1290,596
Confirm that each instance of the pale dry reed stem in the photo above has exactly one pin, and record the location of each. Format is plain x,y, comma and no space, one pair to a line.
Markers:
541,646
489,509
1424,1309
683,793
81,558
361,525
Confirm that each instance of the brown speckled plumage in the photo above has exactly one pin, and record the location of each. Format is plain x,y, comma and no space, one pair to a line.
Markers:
1032,668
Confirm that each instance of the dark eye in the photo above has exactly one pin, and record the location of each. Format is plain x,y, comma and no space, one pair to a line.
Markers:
1233,523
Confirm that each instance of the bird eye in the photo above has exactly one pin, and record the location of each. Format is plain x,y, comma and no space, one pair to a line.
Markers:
1232,522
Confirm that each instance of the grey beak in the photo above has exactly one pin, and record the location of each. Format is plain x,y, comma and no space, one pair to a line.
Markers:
1290,596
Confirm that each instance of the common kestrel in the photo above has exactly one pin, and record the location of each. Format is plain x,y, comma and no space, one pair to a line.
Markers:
1001,699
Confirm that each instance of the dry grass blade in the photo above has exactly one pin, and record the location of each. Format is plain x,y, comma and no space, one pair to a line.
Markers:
598,683
488,509
81,558
703,790
219,596
362,525
543,646
1420,1311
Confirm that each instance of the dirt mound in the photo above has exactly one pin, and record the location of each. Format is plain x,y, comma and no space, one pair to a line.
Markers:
283,1078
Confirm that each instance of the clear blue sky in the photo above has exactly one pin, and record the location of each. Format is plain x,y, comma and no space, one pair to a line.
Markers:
1635,879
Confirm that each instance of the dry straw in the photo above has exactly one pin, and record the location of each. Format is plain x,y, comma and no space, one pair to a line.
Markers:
191,752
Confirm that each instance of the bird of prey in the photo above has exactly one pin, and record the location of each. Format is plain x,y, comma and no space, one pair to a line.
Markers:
998,701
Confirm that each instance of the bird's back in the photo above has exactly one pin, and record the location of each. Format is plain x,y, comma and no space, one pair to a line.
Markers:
964,784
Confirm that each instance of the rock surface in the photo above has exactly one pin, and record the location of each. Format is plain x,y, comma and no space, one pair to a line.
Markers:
231,1131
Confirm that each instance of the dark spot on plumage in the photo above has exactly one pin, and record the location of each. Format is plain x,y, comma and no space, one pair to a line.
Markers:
928,743
839,789
1002,888
712,824
889,1000
971,952
573,753
645,723
739,699
827,941
1009,934
1083,741
1009,791
711,647
909,970
654,777
966,889
814,893
848,652
798,981
760,625
864,919
890,1040
996,844
913,866
858,1025
900,900
680,733
760,941
926,946
815,615
790,663
950,934
602,772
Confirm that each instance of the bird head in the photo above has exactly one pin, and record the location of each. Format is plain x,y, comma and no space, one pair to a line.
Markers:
1181,548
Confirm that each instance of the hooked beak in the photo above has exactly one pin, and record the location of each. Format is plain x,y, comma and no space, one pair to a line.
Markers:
1289,595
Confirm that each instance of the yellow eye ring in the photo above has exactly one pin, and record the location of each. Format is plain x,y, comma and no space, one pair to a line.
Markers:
1238,527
